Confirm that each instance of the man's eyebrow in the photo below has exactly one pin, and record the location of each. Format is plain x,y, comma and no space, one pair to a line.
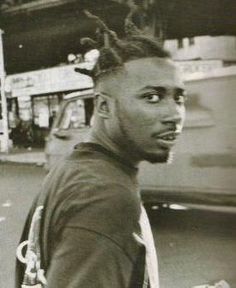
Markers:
149,87
162,88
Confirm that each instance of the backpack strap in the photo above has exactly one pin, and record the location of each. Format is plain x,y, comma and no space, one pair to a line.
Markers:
34,275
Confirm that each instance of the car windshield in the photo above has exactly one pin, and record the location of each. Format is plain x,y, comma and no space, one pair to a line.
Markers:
77,113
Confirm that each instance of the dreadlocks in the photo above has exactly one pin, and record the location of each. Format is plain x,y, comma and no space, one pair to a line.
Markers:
114,52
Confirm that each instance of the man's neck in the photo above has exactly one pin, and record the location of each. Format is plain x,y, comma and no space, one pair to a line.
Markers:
107,143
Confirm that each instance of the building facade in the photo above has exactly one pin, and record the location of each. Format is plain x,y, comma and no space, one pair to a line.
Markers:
203,48
39,36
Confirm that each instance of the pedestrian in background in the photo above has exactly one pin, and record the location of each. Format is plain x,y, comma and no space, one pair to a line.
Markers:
88,227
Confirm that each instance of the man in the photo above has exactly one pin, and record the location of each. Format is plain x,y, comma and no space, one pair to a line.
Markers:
94,231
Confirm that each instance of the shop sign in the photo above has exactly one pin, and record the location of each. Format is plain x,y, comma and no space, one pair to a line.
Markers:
202,66
52,80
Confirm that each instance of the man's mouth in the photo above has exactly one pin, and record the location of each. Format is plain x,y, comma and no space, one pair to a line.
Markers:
167,139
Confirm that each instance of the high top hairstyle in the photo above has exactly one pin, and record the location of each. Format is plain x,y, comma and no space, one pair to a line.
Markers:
114,52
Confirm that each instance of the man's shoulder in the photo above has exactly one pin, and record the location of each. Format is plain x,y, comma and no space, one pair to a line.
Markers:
78,167
78,181
75,175
83,195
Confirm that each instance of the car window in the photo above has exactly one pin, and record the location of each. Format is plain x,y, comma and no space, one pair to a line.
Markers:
77,114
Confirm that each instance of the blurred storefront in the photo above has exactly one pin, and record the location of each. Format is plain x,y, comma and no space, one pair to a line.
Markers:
33,101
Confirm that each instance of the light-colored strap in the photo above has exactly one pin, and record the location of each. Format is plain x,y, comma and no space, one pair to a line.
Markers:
151,256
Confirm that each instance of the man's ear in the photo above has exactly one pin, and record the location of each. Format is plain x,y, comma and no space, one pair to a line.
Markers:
102,103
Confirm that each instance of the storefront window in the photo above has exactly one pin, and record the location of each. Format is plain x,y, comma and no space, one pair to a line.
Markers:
77,114
44,109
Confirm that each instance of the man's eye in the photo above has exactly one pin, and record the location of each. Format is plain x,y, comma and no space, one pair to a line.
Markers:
180,99
152,98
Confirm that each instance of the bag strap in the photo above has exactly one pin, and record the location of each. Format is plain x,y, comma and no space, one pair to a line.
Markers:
33,274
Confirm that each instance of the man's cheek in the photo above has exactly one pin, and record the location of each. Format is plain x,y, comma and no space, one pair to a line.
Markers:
148,119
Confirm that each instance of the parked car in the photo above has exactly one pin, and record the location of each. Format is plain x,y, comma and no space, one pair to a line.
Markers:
203,171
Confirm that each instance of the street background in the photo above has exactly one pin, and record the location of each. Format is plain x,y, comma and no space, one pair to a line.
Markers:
194,246
39,50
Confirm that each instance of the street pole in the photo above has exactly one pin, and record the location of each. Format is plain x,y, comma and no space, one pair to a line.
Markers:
4,140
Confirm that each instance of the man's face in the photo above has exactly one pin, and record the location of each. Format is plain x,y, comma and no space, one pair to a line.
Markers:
149,109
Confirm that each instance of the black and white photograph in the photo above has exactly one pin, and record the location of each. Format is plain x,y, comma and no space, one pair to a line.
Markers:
117,143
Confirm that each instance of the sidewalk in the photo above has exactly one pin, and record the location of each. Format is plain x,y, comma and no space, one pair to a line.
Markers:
25,156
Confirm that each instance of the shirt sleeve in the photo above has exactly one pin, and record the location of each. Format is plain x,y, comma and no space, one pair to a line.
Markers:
84,258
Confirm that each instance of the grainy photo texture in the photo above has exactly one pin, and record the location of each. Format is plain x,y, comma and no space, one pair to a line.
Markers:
117,143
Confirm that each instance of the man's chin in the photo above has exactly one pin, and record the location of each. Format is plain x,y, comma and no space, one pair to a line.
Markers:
163,157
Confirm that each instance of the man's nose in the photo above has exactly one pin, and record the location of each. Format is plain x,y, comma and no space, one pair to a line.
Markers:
172,113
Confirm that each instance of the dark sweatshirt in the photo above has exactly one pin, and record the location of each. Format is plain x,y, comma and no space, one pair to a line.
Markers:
91,210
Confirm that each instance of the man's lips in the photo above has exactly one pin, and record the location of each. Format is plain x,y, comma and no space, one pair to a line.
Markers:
168,135
167,139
